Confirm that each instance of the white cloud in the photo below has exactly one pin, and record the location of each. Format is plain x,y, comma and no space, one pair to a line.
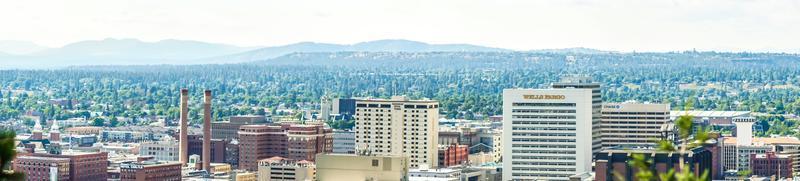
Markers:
625,25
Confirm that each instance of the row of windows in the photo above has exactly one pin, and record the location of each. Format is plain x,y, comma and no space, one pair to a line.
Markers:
542,134
636,113
538,175
635,117
545,104
543,157
635,122
542,111
540,146
633,127
407,106
544,163
544,128
543,151
544,140
544,122
542,117
543,169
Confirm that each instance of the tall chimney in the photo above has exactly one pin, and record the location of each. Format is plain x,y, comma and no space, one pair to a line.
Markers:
183,138
207,132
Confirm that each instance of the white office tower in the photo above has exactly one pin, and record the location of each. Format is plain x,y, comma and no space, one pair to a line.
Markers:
548,134
633,125
399,126
744,130
586,82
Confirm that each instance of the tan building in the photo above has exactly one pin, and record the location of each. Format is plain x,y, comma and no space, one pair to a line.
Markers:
633,124
341,167
737,157
84,130
246,176
399,126
282,169
150,170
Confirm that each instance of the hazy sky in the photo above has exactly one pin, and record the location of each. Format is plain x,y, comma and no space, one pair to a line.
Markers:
624,25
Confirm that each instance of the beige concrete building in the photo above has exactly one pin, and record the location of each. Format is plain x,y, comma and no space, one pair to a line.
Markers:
246,176
282,169
737,157
341,167
633,124
399,126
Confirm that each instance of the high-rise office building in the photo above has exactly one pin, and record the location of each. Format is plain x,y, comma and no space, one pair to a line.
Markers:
550,134
632,124
585,82
399,126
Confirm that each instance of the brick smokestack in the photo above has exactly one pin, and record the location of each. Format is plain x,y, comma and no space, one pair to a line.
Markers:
207,132
184,123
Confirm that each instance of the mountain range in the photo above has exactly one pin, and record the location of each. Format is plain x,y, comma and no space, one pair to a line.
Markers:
17,54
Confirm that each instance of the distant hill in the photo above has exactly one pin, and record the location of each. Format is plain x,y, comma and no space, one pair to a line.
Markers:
578,50
11,47
122,52
177,52
370,46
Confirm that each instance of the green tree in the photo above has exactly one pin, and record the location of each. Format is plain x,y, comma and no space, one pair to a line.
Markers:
7,153
98,122
114,122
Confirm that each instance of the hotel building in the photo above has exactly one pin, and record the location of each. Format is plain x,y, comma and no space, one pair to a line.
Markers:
399,126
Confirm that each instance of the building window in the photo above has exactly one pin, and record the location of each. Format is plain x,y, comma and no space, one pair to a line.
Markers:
375,163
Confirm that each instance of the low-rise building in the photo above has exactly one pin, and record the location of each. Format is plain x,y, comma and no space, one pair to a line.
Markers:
451,155
611,163
80,165
163,150
770,164
347,167
42,168
150,171
282,169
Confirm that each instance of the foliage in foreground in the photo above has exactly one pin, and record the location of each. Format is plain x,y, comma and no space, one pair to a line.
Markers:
7,153
684,125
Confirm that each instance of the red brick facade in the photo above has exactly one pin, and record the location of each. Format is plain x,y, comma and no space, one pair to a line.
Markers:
453,155
298,142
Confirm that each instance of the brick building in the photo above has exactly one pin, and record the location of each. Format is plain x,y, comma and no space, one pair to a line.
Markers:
771,164
228,130
452,155
611,161
293,141
218,148
40,168
150,170
80,165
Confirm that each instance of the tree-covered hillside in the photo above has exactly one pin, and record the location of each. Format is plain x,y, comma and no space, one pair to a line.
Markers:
468,85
